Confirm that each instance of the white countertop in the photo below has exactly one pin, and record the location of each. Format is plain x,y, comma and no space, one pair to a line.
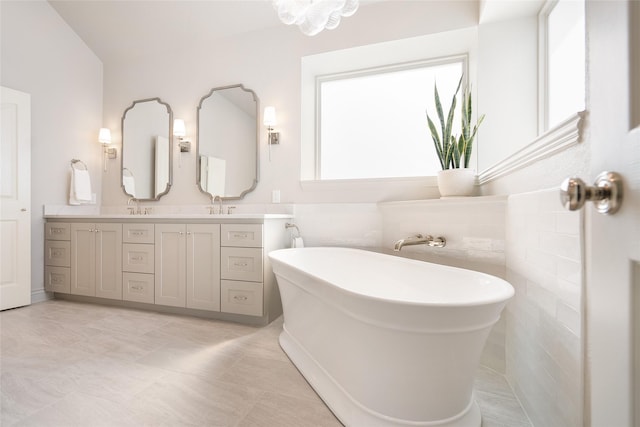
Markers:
168,216
163,212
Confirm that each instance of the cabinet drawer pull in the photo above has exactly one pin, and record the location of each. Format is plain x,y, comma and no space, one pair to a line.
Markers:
137,288
240,297
240,264
57,253
240,235
57,279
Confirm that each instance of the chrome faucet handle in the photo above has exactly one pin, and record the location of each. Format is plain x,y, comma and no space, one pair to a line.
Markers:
438,242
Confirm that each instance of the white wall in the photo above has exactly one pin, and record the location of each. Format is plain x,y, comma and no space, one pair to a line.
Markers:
42,56
269,63
507,82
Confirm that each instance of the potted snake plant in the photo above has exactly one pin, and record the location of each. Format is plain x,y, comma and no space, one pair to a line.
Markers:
454,151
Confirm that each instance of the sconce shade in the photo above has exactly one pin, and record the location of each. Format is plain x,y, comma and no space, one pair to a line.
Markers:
179,128
269,118
104,136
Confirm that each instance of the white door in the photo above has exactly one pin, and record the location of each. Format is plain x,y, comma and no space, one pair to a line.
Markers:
15,198
613,242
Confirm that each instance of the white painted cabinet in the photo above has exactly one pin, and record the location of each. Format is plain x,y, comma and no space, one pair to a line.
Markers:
187,272
96,260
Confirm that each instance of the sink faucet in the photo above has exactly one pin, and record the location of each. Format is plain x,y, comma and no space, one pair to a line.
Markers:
419,239
220,208
133,211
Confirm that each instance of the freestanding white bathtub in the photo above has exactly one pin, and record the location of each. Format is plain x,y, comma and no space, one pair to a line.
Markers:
384,340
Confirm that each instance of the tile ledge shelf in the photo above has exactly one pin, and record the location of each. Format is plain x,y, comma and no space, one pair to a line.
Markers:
446,201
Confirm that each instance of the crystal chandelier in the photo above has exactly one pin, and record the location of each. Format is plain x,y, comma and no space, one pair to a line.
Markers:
313,16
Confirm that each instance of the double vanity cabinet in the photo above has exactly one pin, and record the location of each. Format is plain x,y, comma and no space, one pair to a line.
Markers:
216,267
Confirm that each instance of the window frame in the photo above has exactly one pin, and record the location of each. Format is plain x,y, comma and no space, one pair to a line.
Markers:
463,59
462,41
543,69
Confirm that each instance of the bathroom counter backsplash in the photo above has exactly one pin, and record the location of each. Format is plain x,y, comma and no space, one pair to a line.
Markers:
239,211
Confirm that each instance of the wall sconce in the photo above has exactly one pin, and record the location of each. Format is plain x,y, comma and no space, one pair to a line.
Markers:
180,131
104,137
269,120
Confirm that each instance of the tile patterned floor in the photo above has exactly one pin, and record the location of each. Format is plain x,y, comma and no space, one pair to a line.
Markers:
65,363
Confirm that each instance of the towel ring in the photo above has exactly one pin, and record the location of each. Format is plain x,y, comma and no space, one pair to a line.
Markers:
291,225
75,161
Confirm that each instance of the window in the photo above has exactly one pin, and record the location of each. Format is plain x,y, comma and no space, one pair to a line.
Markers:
562,60
363,111
372,123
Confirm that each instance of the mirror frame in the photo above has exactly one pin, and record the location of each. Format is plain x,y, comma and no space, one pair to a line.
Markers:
257,176
170,180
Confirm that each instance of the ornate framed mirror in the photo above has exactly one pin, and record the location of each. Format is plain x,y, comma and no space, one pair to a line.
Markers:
146,172
227,142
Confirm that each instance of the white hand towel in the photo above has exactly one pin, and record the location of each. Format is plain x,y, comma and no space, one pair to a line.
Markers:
80,188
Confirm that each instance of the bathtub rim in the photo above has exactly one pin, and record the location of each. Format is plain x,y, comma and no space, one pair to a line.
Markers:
508,289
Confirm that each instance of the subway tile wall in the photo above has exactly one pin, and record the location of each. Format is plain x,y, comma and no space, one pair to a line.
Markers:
544,346
475,231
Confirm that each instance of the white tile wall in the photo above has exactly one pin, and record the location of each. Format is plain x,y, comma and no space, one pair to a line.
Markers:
339,224
475,233
544,321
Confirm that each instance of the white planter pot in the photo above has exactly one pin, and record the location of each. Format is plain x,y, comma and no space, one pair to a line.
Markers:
456,182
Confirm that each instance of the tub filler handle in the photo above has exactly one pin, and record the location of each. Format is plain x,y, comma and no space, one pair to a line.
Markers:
419,239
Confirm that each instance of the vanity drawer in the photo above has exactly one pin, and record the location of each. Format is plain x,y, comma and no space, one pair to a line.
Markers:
241,297
138,258
57,231
138,287
241,235
57,279
137,233
241,264
57,253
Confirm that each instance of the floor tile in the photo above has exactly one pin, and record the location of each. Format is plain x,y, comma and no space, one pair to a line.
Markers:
65,363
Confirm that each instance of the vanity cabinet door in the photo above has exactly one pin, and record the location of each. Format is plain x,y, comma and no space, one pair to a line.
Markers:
203,266
83,259
96,260
187,265
108,262
170,264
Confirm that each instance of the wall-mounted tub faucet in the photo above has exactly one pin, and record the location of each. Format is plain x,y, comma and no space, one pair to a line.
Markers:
419,239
